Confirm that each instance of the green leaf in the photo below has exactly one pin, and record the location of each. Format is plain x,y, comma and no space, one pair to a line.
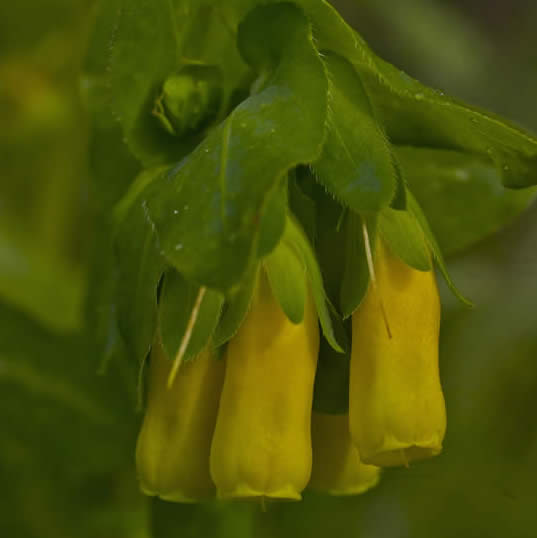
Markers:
355,280
143,52
133,196
356,164
402,231
415,209
208,35
413,114
286,274
140,267
461,194
303,207
295,237
101,304
111,163
235,308
399,199
177,300
265,136
416,115
273,220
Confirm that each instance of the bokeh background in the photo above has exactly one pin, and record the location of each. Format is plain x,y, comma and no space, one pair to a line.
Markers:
67,407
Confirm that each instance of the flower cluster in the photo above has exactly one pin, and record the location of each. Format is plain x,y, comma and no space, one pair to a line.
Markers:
242,425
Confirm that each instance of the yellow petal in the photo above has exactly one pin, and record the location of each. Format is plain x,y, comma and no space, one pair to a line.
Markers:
262,442
397,410
337,468
172,453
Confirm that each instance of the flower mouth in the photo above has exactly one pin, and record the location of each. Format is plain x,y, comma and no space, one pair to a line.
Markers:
244,492
394,457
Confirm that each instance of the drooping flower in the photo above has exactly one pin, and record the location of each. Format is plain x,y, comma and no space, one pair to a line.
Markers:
172,453
397,410
337,468
262,441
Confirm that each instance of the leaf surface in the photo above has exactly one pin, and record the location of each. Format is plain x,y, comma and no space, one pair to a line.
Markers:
208,210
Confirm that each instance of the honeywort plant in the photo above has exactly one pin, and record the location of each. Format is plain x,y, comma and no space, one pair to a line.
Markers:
273,231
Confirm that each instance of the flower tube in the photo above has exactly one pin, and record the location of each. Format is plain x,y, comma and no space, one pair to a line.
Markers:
337,468
262,441
396,406
172,453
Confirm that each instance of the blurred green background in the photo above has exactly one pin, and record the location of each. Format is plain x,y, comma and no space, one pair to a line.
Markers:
67,404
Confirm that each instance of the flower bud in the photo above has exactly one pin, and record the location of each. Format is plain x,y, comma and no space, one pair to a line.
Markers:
172,454
262,441
397,410
190,99
337,468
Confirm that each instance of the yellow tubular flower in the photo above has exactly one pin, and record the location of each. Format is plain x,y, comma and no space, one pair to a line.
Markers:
262,442
397,410
172,453
337,468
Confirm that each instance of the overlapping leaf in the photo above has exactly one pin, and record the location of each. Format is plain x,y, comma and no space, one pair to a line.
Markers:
355,280
207,210
462,195
413,114
356,164
235,308
287,276
177,301
295,238
419,116
141,266
144,50
402,232
417,213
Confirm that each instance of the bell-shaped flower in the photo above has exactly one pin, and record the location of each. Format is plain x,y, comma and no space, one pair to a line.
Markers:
337,468
396,408
172,453
262,441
